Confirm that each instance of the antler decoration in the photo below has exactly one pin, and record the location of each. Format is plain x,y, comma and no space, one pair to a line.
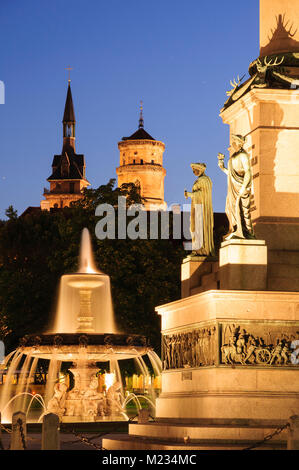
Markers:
262,66
235,85
270,63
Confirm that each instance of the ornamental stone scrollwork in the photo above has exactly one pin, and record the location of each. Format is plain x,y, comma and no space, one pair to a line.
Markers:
58,341
258,344
83,341
194,348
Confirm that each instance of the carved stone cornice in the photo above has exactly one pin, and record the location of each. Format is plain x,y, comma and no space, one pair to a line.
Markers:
138,168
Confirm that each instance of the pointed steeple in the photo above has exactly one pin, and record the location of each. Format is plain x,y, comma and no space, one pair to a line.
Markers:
69,113
69,123
141,120
141,133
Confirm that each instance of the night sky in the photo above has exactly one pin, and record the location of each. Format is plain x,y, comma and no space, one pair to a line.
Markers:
176,56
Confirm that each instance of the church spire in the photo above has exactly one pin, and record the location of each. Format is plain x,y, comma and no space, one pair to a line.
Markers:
69,122
141,120
69,113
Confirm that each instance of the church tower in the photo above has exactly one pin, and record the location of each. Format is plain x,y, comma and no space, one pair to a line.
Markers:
141,162
68,169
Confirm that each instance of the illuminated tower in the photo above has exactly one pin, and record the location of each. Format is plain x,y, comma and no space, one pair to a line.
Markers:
68,169
141,162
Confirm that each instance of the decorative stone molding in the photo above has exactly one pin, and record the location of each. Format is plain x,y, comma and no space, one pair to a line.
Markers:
128,143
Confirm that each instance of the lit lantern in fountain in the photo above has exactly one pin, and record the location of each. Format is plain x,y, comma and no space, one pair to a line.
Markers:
109,380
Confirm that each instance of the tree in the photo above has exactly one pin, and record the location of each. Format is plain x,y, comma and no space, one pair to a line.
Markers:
11,213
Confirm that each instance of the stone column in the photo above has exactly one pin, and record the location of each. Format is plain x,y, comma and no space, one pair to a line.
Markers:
50,432
19,431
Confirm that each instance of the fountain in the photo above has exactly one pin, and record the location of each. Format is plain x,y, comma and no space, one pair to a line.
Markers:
84,334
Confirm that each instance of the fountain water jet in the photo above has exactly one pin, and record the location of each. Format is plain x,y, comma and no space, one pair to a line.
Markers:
84,302
84,334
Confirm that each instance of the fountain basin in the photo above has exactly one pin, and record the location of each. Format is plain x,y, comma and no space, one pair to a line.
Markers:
84,280
71,347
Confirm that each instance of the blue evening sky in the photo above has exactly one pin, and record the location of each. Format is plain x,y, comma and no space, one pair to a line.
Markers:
177,56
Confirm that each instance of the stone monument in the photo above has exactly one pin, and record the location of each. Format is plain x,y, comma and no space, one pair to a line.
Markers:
197,268
230,354
201,221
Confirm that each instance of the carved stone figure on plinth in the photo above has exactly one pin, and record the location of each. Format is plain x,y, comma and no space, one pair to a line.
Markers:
114,399
92,400
57,403
202,218
73,403
239,181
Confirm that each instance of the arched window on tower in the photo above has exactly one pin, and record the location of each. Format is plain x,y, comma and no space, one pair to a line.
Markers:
69,129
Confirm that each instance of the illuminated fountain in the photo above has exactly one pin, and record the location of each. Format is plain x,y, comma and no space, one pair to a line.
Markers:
84,334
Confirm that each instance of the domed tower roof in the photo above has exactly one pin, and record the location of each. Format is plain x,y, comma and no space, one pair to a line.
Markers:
140,134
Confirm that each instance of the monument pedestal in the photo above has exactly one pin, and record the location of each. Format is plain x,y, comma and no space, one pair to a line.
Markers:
198,273
228,354
230,373
243,265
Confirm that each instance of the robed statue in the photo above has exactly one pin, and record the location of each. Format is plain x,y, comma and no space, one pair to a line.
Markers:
239,183
202,218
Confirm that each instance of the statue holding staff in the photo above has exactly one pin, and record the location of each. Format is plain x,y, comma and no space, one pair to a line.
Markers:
239,181
202,217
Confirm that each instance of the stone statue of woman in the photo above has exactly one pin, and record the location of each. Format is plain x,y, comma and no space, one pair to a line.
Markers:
239,181
202,218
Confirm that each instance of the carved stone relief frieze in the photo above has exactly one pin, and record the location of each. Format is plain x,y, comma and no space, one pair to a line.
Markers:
226,343
194,348
259,344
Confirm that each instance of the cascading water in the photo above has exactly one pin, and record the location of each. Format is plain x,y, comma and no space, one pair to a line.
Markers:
84,334
87,291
